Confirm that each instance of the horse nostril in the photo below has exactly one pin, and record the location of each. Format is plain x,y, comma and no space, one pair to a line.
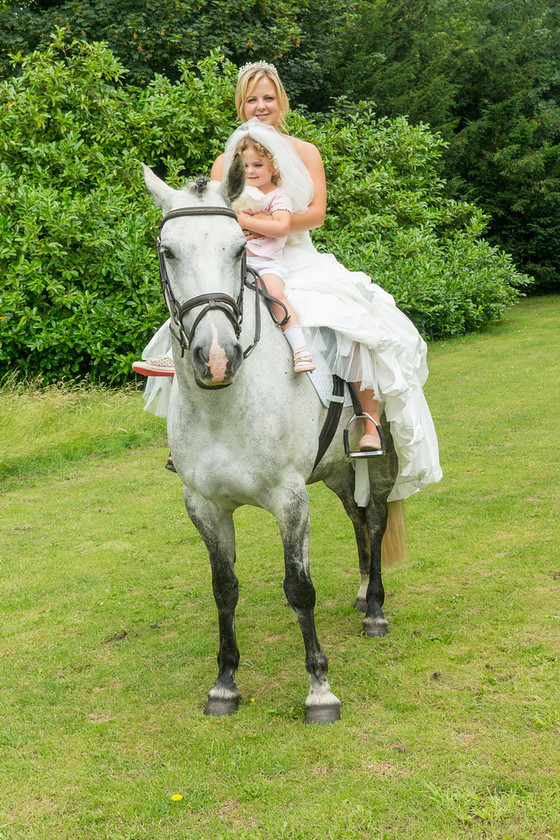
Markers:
199,359
237,358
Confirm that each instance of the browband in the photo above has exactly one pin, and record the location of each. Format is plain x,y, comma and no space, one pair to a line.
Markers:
198,211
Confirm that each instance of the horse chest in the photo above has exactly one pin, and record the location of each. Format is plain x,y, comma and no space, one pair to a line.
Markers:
216,470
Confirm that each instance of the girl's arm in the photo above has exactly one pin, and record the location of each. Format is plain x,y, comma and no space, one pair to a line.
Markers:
276,224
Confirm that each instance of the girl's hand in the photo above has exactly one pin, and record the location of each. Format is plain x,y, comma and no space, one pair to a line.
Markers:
244,219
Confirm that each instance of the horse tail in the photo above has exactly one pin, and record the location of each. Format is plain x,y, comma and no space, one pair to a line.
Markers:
393,547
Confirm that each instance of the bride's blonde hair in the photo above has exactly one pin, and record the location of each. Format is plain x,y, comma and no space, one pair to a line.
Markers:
249,76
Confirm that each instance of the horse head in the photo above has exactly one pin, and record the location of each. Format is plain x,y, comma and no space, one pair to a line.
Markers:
201,252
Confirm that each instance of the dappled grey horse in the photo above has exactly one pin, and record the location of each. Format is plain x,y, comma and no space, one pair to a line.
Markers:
243,428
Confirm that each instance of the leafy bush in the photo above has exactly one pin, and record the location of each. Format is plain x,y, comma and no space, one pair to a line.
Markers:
77,262
152,36
389,216
79,294
485,74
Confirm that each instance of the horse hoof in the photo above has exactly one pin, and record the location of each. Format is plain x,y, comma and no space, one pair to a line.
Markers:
360,605
322,714
375,627
221,706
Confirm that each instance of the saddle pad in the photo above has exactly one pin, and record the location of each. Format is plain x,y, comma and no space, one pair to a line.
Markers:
322,381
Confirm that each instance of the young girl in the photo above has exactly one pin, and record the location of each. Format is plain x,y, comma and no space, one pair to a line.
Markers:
265,251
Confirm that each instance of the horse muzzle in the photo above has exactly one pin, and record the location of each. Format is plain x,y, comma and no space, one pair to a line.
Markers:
216,361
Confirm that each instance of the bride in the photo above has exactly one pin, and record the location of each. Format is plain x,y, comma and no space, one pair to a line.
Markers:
351,321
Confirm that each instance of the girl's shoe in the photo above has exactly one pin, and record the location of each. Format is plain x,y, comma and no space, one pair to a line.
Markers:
160,366
303,361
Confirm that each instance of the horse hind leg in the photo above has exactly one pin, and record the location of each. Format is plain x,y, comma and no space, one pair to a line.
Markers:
216,529
369,526
322,706
375,623
361,532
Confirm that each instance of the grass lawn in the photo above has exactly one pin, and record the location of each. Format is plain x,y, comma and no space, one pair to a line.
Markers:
108,641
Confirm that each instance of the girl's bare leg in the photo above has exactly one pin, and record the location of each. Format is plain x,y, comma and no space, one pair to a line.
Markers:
292,329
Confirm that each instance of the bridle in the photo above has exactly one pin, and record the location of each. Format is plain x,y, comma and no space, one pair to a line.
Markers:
232,308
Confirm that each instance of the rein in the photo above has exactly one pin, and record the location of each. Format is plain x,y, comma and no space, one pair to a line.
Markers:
232,309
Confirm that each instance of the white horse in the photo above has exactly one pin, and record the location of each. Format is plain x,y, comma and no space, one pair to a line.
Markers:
255,441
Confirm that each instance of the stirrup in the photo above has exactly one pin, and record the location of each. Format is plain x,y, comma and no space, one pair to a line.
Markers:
359,453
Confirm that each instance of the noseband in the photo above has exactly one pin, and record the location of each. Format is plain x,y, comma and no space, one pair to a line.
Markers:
233,309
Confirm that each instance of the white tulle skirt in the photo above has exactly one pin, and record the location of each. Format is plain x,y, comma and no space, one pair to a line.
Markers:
364,338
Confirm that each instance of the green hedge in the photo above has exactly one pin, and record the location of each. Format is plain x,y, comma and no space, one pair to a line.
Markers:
390,217
79,293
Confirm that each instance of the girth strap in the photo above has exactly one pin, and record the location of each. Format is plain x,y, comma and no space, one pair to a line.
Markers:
332,419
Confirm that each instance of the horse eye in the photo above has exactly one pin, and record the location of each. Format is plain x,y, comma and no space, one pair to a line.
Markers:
167,253
239,253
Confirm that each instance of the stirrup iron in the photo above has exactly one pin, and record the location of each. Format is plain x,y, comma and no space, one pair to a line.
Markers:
358,453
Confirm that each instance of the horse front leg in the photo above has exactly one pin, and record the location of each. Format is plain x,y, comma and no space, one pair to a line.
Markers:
215,526
322,706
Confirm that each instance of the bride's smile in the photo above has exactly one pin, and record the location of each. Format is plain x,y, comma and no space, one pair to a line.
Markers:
262,103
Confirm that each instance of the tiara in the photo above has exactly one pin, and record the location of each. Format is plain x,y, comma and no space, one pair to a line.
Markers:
256,65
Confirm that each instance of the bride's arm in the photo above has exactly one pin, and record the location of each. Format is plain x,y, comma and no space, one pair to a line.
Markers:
217,173
314,216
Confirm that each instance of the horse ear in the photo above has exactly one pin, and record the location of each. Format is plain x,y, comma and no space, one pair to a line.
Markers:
234,183
159,190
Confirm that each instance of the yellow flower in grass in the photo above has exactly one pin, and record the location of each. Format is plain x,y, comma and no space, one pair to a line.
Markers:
176,797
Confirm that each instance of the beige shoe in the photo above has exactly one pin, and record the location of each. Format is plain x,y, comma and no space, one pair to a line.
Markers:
303,361
370,443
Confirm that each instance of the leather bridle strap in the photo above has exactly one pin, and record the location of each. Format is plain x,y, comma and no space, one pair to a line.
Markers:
198,211
232,309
